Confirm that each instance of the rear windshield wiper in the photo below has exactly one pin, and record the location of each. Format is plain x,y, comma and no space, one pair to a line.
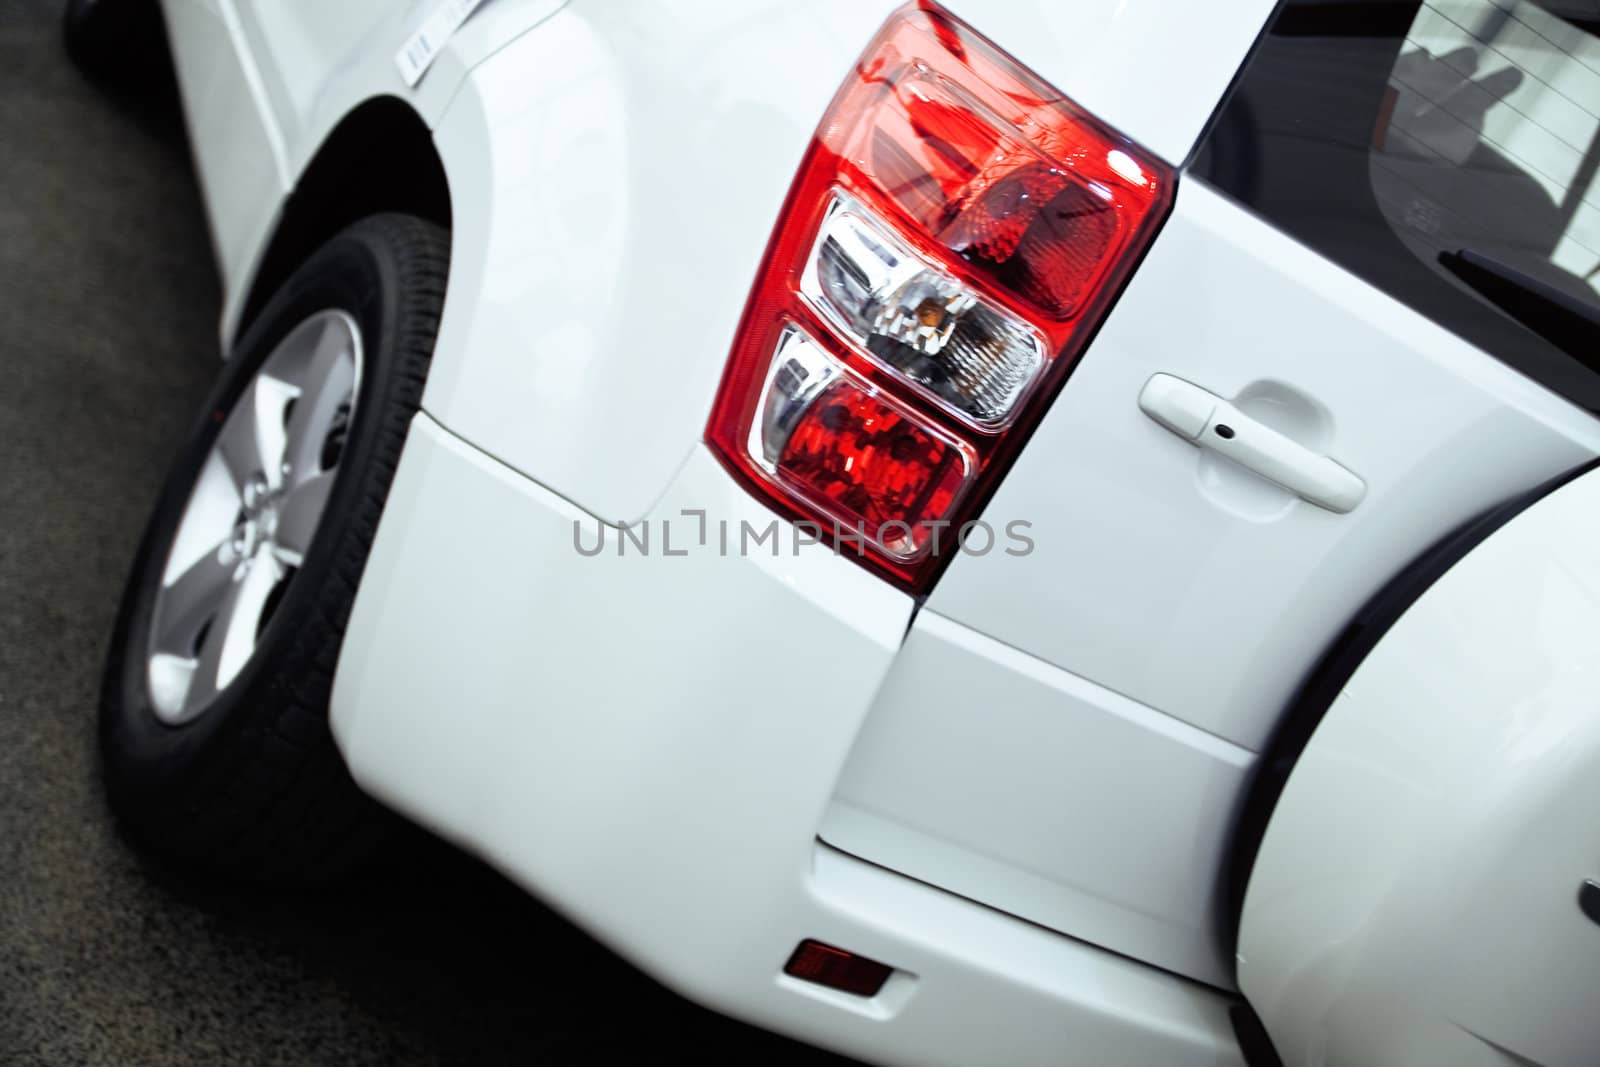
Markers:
1571,324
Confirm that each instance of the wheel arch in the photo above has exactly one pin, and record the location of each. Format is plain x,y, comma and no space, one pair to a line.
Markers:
379,158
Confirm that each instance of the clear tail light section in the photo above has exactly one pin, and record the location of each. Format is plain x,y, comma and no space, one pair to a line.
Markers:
955,234
913,318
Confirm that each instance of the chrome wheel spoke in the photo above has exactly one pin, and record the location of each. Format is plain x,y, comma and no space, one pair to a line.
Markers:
192,600
241,443
299,515
231,637
327,380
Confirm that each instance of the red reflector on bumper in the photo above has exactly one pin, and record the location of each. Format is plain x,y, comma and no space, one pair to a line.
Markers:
837,969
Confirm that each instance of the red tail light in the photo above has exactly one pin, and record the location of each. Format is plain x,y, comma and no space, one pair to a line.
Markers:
956,232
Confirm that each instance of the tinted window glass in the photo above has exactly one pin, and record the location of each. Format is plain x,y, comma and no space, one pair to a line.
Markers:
1445,151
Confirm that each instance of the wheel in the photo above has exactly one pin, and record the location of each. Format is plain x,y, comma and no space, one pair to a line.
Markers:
112,39
214,713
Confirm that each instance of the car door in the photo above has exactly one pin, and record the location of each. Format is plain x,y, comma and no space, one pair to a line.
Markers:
1348,265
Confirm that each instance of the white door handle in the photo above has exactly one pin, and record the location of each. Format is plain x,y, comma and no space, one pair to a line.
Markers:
1207,421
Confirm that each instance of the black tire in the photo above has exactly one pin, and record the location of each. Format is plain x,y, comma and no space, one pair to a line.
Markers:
254,787
114,40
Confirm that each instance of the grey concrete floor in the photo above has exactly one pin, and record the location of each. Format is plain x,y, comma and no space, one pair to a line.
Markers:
108,304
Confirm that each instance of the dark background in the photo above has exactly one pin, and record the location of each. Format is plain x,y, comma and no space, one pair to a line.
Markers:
108,311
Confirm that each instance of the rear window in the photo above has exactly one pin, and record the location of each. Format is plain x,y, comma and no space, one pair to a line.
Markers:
1446,152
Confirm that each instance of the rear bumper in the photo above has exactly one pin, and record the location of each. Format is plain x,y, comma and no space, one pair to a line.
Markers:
648,743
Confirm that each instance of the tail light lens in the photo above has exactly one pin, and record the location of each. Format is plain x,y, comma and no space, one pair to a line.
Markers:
956,232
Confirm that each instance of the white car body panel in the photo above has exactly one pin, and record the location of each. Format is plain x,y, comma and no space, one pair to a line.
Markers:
642,742
265,82
1218,624
319,61
611,209
238,151
1010,781
1415,899
1215,627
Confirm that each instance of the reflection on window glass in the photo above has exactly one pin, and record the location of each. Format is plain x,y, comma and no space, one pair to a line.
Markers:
1486,140
1443,150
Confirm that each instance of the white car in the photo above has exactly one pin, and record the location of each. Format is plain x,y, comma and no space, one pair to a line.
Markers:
1048,531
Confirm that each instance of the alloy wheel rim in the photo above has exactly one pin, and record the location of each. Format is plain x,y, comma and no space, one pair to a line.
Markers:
252,514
